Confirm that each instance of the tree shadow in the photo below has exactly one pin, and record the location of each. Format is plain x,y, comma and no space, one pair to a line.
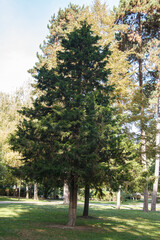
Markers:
31,221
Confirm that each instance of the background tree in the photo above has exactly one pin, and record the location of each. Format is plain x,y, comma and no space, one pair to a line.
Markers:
142,20
155,66
9,118
58,27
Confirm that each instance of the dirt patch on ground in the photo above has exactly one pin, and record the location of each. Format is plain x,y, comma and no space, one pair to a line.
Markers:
90,217
8,238
80,228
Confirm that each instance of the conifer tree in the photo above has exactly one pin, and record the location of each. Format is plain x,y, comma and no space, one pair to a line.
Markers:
102,24
71,123
102,21
58,27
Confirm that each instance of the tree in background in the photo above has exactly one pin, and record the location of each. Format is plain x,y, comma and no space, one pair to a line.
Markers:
142,21
103,24
9,118
154,55
58,27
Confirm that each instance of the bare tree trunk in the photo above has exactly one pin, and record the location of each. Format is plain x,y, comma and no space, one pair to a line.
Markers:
73,188
119,198
65,193
55,193
15,191
145,204
143,140
19,192
155,185
144,162
35,191
27,191
30,191
86,202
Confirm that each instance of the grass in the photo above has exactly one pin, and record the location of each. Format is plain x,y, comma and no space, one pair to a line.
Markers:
46,222
7,198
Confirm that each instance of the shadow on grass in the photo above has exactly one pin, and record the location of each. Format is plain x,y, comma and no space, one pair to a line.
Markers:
46,222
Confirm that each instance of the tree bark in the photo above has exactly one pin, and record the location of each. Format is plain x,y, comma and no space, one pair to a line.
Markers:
45,193
144,162
119,198
65,193
55,193
19,191
27,191
145,204
35,192
143,137
155,185
15,191
86,202
30,191
73,188
143,140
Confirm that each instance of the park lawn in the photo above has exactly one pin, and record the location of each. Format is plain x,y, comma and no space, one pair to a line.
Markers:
23,199
3,198
47,222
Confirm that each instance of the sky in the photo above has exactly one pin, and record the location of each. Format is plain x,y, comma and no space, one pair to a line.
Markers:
23,27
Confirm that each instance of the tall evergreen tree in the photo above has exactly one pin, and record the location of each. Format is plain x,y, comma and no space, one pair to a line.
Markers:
71,123
58,27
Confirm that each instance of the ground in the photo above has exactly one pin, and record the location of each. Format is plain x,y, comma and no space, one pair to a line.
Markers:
46,220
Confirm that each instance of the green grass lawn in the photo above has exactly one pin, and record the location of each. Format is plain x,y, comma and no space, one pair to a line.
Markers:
7,198
47,222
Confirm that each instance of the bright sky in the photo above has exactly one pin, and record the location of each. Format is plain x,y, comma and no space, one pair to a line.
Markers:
23,27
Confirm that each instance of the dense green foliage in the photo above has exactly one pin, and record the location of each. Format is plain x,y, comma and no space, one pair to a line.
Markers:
72,130
69,125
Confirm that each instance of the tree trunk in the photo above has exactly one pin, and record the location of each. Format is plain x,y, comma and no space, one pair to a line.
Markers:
155,185
15,191
144,162
27,191
19,192
73,188
45,193
86,202
143,140
35,192
30,191
119,198
55,193
145,204
65,193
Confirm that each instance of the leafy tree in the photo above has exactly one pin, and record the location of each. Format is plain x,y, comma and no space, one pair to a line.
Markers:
142,20
9,117
58,27
155,65
103,24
